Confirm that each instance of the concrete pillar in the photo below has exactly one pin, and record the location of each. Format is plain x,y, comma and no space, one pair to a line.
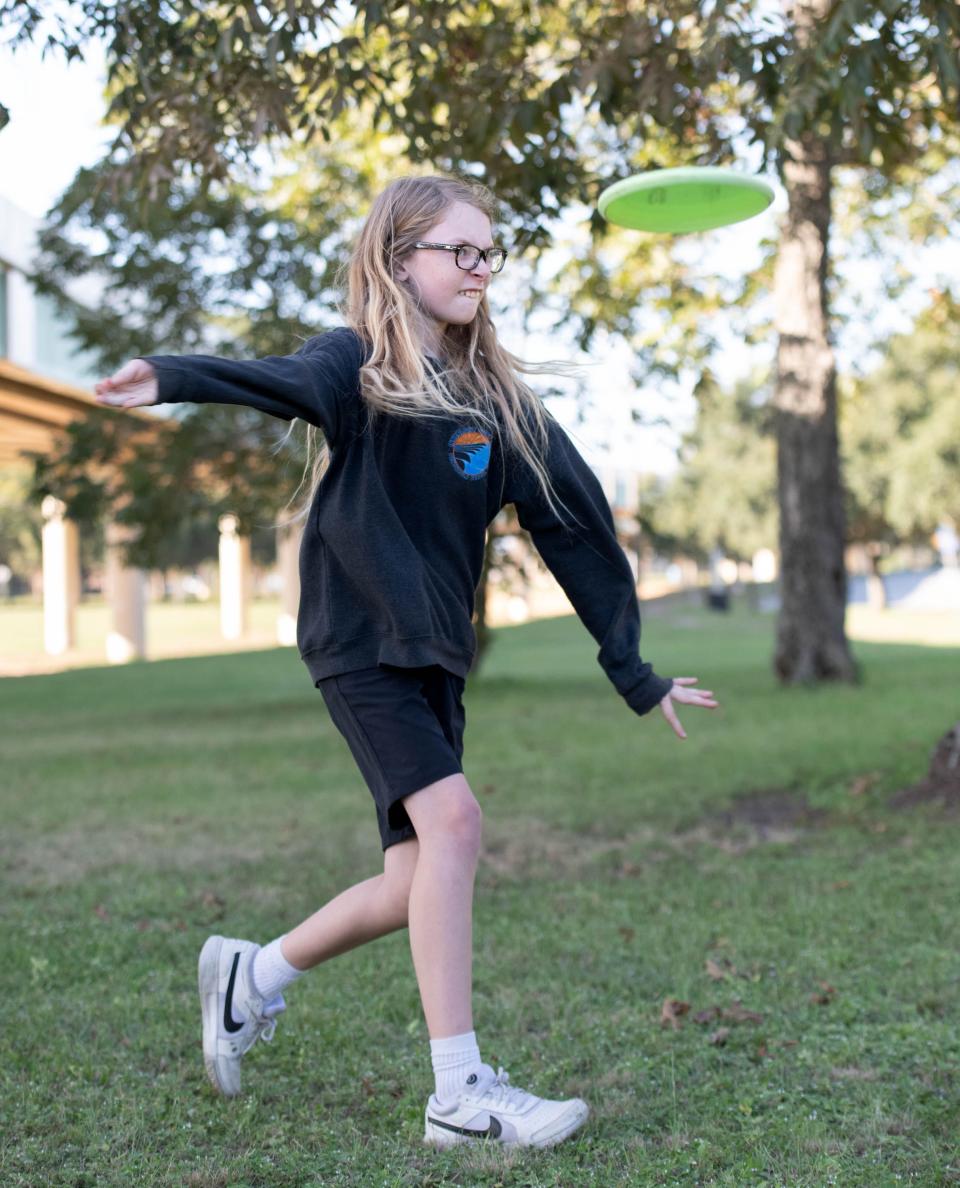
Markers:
126,593
235,578
764,565
61,577
288,563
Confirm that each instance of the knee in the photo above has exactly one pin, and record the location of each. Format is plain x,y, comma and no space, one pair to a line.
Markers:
464,824
455,821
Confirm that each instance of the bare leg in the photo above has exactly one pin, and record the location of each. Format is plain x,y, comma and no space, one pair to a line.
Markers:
360,914
447,819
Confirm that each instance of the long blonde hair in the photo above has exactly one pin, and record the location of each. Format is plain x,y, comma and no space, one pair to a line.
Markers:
477,377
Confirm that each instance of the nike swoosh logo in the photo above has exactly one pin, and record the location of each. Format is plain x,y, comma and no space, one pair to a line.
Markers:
494,1130
229,1023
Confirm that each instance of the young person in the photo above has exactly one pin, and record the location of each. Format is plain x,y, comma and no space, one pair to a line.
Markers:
428,431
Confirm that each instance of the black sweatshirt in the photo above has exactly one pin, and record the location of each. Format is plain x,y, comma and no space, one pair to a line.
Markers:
392,551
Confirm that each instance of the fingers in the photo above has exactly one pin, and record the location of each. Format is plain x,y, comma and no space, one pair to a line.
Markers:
106,391
701,697
670,715
130,387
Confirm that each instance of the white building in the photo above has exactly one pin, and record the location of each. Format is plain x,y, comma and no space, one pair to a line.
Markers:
32,333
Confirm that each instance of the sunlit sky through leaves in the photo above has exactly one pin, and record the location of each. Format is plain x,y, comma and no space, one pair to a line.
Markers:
55,129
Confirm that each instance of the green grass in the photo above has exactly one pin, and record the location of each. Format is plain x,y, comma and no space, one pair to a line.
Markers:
147,806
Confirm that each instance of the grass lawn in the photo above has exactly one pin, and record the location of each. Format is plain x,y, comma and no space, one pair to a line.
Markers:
755,872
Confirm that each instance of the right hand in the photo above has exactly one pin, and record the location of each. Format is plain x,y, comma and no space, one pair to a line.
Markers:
134,384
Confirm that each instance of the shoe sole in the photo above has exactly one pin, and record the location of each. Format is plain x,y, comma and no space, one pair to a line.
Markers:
208,980
573,1121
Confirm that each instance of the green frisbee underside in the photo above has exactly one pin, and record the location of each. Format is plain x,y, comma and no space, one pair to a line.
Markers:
674,201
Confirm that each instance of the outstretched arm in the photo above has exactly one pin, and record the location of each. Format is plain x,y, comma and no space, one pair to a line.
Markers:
313,383
590,565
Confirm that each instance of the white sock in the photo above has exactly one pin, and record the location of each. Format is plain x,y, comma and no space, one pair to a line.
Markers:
272,971
454,1058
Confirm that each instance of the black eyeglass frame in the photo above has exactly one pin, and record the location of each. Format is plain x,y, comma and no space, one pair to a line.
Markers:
459,247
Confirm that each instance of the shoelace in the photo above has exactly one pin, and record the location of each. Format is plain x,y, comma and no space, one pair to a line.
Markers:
503,1093
266,1027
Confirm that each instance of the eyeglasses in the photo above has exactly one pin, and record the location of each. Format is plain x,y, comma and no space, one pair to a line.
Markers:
468,256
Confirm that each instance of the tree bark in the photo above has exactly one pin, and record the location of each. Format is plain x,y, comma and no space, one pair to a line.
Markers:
811,644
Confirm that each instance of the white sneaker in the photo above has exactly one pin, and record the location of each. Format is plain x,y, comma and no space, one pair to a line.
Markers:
234,1014
492,1109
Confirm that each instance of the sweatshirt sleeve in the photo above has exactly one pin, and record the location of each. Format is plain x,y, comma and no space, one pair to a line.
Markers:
314,383
589,564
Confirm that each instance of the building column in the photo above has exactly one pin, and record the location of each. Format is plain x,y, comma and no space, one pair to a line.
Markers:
126,593
235,578
288,564
61,577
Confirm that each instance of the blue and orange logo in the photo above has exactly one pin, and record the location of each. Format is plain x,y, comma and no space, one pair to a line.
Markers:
469,453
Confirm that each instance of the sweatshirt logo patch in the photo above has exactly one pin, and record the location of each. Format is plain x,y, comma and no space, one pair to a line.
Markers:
469,452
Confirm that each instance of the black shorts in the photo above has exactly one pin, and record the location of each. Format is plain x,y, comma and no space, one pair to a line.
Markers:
404,727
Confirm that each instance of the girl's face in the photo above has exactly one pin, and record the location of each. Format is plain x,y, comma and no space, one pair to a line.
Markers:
433,275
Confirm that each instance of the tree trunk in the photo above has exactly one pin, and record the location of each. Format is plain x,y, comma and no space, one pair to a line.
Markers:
811,643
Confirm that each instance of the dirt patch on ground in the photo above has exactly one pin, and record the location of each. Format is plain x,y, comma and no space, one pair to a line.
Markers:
534,849
940,787
769,809
520,849
767,815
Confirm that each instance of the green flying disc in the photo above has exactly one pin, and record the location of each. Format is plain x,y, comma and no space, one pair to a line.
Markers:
674,201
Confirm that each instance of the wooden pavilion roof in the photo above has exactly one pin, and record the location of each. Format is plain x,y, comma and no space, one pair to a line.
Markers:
34,409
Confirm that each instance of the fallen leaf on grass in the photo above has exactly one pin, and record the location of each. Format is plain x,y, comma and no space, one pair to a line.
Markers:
214,904
719,1037
735,1013
862,784
717,972
627,933
740,1014
826,996
671,1011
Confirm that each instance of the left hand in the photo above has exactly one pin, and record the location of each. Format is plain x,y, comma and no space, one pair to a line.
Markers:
701,697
